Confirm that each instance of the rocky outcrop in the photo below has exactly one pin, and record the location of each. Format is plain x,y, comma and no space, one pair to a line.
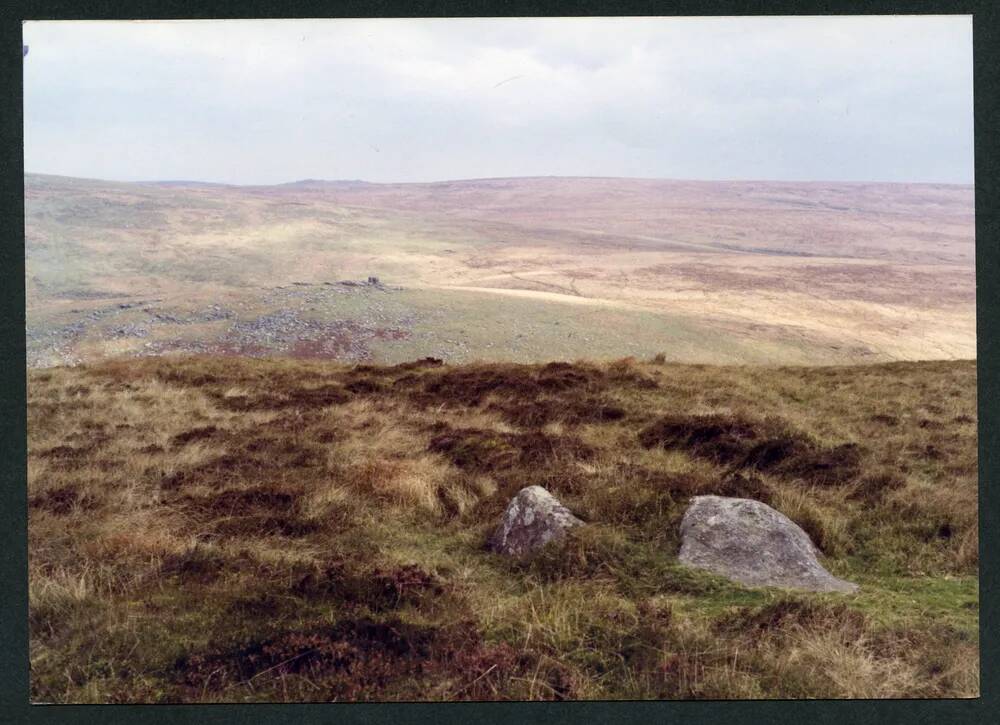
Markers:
751,543
533,518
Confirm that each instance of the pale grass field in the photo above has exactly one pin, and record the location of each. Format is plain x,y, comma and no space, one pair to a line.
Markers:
799,273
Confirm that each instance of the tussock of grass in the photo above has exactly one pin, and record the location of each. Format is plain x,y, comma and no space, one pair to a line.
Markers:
243,530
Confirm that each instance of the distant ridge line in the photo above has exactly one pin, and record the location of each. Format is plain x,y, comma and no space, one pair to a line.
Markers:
495,179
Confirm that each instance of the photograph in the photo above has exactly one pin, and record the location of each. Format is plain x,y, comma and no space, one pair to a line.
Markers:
447,359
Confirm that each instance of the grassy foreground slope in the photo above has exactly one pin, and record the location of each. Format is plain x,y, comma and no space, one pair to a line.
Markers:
227,529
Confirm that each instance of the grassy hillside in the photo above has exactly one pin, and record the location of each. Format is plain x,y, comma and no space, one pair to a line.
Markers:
228,529
713,272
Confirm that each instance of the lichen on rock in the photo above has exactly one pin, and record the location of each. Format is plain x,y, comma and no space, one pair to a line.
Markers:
532,519
753,544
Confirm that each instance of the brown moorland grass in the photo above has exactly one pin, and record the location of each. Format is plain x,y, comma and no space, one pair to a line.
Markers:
226,529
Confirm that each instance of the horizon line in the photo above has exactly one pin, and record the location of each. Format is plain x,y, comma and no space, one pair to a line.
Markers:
501,178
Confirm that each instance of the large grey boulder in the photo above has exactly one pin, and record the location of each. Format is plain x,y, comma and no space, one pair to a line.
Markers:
533,518
751,543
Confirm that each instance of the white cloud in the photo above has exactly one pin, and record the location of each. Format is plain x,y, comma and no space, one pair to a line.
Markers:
269,101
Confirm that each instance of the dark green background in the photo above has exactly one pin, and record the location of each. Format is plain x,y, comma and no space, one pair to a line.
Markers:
14,706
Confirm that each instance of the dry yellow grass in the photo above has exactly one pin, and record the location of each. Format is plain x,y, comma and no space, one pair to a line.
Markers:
713,272
212,529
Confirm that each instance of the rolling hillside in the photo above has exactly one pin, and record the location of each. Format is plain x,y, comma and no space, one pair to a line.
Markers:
207,526
509,269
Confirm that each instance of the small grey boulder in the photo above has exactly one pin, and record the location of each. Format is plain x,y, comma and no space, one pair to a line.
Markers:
751,543
533,518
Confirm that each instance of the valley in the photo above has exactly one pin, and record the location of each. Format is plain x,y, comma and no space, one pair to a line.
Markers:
523,270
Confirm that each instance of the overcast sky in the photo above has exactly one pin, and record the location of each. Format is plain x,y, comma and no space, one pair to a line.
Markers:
813,98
